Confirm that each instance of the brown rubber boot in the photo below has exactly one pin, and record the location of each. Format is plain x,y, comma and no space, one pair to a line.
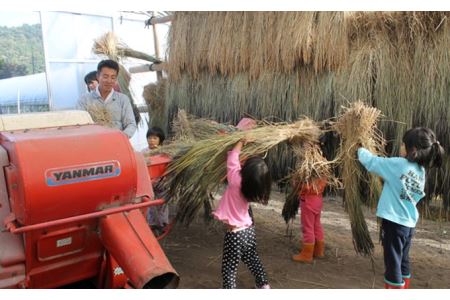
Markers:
319,249
306,255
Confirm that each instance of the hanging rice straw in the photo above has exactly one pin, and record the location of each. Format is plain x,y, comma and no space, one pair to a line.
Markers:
357,127
181,126
155,97
191,178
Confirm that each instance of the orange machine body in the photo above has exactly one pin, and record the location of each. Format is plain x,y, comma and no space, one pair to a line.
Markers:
157,165
61,173
61,182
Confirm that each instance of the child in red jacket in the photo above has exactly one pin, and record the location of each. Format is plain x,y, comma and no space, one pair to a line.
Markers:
311,202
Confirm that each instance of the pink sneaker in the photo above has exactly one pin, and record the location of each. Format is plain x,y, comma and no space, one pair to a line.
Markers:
266,286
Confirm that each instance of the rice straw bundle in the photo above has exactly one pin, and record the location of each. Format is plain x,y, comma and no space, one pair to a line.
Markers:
107,45
100,115
357,127
310,165
110,45
186,130
174,149
155,97
190,127
181,126
191,178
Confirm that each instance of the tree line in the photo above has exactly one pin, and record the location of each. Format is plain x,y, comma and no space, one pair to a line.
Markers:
22,51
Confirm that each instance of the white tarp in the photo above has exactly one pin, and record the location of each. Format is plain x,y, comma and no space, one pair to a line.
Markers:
28,89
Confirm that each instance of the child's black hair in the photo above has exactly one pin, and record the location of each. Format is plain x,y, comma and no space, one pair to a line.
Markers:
91,76
422,147
256,180
156,131
329,140
108,63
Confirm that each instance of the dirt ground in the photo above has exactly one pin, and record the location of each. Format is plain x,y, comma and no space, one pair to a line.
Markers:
196,253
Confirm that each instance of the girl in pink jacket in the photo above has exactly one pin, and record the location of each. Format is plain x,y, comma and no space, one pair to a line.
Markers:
249,183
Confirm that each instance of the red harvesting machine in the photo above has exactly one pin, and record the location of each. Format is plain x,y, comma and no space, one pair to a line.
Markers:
73,198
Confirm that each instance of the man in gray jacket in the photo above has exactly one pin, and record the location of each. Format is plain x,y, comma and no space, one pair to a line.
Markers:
118,104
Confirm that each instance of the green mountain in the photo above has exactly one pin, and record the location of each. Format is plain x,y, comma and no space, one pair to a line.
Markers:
21,51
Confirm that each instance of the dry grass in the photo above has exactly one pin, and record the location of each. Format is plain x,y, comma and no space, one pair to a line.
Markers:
193,176
186,130
110,45
357,128
155,97
233,42
174,149
310,165
189,127
100,115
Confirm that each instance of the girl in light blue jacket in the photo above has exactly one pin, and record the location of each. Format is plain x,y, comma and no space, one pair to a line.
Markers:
404,184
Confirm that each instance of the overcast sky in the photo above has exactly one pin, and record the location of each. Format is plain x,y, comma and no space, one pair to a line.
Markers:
17,18
251,5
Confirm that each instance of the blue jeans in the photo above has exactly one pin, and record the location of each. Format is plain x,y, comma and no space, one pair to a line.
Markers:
396,241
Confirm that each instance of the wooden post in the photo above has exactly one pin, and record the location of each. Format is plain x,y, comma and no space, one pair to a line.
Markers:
148,67
156,43
164,19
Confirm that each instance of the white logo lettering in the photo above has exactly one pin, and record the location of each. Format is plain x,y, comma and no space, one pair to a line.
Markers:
64,242
118,271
